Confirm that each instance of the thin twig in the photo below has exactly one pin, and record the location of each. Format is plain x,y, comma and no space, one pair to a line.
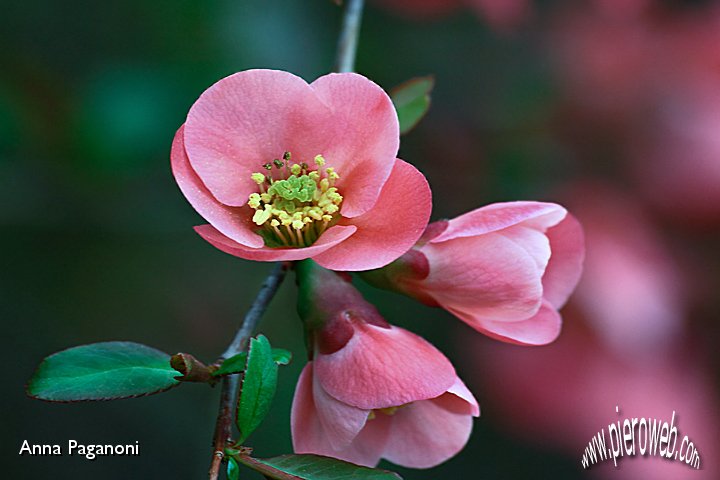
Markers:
260,304
228,393
347,43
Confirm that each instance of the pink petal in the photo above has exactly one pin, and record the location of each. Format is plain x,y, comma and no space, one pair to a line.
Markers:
232,222
248,119
433,230
427,433
327,240
498,216
384,367
252,117
461,400
562,274
365,140
368,446
309,436
390,228
307,432
341,422
541,329
495,276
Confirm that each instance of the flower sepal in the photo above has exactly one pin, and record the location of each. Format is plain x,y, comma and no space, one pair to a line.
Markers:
327,305
400,275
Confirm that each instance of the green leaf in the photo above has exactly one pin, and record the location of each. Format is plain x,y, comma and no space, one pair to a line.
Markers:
236,363
412,101
233,469
258,386
281,356
102,371
313,467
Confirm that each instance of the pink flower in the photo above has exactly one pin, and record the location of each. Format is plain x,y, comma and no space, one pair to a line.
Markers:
283,170
373,390
504,269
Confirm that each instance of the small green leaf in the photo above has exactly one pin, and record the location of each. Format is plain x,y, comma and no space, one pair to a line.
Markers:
313,467
412,101
281,356
236,363
102,371
258,386
233,469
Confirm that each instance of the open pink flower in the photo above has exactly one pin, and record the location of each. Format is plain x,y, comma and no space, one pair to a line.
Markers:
372,390
504,269
285,170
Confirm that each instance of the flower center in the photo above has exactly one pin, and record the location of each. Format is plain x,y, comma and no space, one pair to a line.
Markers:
389,411
295,205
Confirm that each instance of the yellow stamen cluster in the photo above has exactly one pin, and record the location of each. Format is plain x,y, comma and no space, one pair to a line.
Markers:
389,411
297,205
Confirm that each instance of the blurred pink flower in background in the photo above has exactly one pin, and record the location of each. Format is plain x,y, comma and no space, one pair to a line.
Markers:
574,386
632,293
603,63
499,14
622,9
676,159
338,195
649,81
503,14
504,269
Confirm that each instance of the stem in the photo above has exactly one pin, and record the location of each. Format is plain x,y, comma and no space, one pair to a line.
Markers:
230,383
347,43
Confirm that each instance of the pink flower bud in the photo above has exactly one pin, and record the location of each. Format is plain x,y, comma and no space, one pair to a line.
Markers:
504,269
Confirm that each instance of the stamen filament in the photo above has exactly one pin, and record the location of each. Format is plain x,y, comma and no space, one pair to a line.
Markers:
280,235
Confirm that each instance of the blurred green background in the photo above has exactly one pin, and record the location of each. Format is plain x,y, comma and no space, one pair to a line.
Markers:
96,238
